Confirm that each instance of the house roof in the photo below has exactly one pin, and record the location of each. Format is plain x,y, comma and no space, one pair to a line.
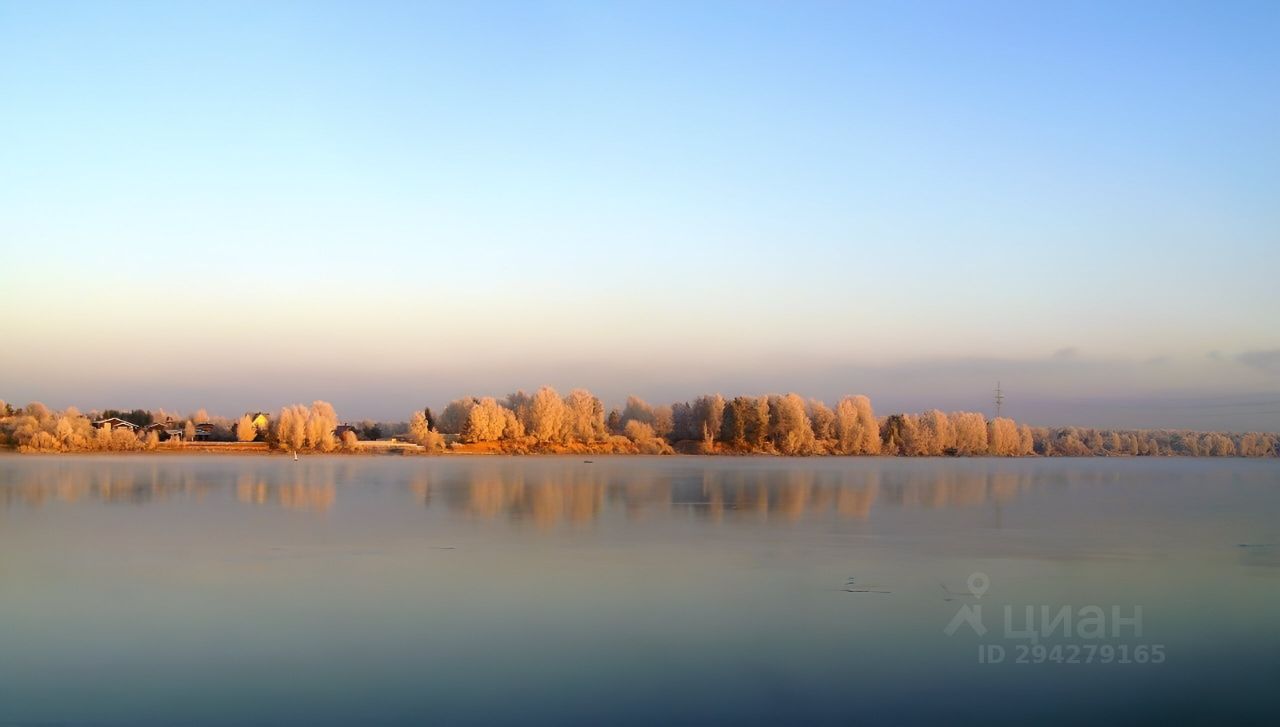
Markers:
115,422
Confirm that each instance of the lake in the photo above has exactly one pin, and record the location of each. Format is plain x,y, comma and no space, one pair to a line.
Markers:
634,590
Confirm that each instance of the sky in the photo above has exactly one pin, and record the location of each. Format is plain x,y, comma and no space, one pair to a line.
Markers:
241,205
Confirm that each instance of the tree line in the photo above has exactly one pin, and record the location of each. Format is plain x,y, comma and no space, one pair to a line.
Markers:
545,421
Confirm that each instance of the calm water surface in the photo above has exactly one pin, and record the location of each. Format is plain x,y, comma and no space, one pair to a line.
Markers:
193,590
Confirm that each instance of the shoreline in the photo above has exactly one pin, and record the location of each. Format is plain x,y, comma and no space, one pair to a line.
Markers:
398,451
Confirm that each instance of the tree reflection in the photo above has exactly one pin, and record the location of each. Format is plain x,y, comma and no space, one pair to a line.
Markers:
544,492
308,492
549,494
71,482
310,486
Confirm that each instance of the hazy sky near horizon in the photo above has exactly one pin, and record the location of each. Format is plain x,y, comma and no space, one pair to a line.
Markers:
241,205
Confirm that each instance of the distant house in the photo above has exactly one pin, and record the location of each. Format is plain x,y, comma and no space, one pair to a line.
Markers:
158,428
165,430
204,432
343,429
115,423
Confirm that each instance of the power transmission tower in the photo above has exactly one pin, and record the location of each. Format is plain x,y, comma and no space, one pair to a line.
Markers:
999,399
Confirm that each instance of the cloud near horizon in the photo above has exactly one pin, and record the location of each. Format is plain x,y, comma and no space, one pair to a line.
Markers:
1267,361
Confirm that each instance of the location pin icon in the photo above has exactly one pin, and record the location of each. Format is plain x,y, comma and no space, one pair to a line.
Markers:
978,584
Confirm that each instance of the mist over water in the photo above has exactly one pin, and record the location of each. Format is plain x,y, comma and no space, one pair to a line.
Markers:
163,589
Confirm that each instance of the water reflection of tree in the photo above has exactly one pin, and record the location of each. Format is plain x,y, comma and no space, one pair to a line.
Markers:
114,483
548,493
551,494
308,487
544,496
787,495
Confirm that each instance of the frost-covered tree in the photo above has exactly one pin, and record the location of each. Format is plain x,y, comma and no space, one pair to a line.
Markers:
682,424
663,421
245,429
322,420
486,422
123,440
708,417
895,434
1002,438
300,426
1026,441
522,404
856,428
637,409
1219,445
936,433
585,416
789,427
823,421
733,428
291,427
420,432
971,433
453,420
637,430
646,440
548,417
746,423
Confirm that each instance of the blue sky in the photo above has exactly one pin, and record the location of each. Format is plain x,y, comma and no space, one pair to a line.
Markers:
240,205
